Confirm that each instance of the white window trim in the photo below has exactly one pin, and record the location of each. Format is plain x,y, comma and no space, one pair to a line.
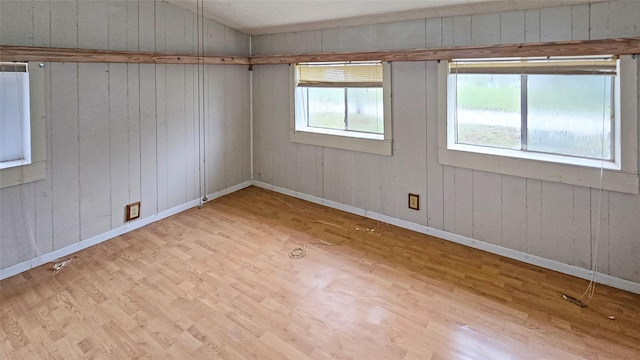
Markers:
619,176
341,139
36,170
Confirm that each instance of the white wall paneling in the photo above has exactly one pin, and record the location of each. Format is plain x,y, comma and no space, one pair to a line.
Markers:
65,155
555,23
511,29
463,201
214,125
119,126
435,200
44,188
119,133
487,203
533,216
148,151
94,134
134,135
410,143
549,220
514,212
532,26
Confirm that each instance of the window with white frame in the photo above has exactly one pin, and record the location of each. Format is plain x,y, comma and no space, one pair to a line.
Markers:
550,118
22,124
15,127
343,105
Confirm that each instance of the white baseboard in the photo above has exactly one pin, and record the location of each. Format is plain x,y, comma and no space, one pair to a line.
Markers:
67,250
495,249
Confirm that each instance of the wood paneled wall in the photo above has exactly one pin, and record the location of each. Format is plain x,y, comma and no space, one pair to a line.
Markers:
551,220
119,133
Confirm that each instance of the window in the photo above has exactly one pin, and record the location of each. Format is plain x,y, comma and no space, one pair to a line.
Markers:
552,118
15,127
22,124
343,105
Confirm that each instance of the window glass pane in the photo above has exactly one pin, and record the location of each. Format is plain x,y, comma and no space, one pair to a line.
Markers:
14,115
365,110
570,115
488,110
326,107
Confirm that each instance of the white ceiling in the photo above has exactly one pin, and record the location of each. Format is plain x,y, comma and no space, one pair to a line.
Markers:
257,17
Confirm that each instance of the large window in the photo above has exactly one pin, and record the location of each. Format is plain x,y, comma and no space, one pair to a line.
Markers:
22,124
15,127
547,118
561,106
343,105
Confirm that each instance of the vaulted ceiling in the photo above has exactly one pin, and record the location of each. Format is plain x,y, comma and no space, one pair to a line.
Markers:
256,17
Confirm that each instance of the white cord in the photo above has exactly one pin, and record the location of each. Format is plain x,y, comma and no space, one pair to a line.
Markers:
59,265
300,252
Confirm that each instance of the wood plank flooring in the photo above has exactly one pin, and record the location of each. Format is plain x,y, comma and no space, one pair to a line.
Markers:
218,282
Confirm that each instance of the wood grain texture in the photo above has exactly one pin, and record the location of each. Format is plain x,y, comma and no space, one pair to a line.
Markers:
216,283
621,46
27,53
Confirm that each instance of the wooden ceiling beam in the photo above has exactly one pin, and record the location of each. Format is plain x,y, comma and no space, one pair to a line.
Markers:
28,53
622,46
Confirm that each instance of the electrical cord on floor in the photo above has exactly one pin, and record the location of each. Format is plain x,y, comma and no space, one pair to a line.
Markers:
589,292
300,252
573,300
59,264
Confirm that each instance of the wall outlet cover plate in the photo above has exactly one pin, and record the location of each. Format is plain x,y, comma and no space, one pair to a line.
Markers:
414,201
133,211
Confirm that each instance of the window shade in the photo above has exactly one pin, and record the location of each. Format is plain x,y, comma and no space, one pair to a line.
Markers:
547,66
340,75
13,67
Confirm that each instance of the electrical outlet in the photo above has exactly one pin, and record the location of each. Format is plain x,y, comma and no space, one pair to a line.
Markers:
133,211
414,201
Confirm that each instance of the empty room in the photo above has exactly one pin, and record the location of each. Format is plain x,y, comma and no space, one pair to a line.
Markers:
301,179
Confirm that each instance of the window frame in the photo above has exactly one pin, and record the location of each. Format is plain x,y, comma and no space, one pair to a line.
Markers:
353,140
36,169
24,121
621,174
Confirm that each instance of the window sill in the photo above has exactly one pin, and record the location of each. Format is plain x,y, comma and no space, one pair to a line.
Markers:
346,140
551,158
18,175
583,175
14,163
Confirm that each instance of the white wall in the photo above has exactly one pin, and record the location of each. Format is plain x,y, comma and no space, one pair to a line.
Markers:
550,220
119,133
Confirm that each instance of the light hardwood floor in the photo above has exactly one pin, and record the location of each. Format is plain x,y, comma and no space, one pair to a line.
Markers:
217,282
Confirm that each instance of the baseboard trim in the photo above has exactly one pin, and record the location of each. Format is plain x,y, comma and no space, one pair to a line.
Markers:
467,241
81,245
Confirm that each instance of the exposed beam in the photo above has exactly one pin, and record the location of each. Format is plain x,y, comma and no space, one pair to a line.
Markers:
623,46
626,46
28,53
